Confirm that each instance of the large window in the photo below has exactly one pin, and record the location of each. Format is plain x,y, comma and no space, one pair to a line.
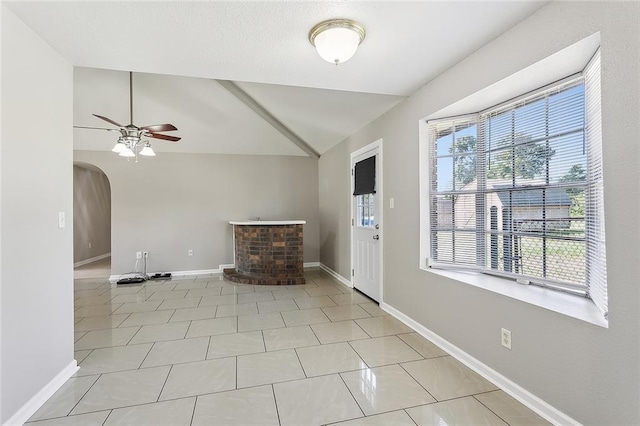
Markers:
516,190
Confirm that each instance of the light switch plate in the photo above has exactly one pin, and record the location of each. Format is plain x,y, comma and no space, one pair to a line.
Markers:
62,221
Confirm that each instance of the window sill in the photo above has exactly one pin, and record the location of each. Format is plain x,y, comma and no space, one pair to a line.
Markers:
563,303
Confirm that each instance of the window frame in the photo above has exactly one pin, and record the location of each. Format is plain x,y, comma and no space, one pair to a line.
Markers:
427,158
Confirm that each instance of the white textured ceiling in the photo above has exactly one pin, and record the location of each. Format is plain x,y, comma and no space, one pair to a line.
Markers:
263,47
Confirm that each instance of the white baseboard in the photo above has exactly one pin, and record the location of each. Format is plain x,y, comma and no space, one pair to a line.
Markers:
205,272
91,260
542,408
38,400
336,275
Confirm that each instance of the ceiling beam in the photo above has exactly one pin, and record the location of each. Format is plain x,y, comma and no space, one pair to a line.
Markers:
246,99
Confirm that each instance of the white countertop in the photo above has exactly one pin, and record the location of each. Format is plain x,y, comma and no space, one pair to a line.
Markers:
268,222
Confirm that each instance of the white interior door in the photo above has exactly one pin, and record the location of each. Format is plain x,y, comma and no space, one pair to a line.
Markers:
366,234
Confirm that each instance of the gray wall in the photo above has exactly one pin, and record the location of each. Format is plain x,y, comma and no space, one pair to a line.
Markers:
588,372
173,203
36,282
91,214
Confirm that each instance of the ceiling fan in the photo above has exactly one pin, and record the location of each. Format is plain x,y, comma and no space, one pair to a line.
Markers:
130,142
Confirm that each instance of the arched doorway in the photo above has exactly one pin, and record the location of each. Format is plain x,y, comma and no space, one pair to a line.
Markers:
91,222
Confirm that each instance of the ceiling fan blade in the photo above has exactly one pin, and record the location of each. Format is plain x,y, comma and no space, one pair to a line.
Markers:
108,120
160,128
164,137
96,128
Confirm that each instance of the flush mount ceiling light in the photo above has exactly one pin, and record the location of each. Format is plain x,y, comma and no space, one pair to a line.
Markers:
337,40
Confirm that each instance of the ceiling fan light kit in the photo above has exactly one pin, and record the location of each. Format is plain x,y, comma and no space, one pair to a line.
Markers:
130,142
337,40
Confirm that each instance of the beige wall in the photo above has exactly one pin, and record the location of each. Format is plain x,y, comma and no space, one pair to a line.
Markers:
590,373
36,279
173,203
91,214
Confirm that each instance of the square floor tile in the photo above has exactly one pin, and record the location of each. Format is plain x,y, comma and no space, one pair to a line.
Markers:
65,398
373,309
422,345
315,401
100,322
253,406
119,358
345,312
268,367
159,286
236,344
304,317
395,418
80,355
147,318
212,327
161,332
447,378
510,410
190,285
106,338
237,289
328,359
129,308
288,338
130,298
277,306
199,378
91,419
385,389
260,322
191,302
314,302
227,299
349,298
115,390
323,291
97,310
289,294
383,326
176,351
462,411
92,300
268,287
384,351
168,413
236,310
338,332
78,334
263,296
206,292
190,314
164,295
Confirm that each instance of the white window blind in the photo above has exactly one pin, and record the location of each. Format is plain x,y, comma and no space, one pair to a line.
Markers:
517,190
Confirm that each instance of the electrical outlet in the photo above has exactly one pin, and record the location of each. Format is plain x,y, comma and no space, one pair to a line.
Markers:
190,253
138,255
505,338
145,254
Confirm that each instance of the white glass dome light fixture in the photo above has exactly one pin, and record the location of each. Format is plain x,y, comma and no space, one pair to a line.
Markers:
337,40
147,151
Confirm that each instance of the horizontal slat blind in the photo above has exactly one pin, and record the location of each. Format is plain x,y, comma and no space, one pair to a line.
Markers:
517,190
594,209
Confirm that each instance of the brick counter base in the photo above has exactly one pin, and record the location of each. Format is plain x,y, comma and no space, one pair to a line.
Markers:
268,255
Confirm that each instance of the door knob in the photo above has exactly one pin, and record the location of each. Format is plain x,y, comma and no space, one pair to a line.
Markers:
376,237
377,226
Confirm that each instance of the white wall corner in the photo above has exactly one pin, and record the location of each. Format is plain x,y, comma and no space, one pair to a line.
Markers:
542,408
336,275
38,400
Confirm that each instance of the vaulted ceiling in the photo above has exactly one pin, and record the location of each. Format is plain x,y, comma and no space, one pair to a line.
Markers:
178,50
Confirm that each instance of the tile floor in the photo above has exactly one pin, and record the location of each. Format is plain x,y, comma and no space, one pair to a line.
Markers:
204,351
